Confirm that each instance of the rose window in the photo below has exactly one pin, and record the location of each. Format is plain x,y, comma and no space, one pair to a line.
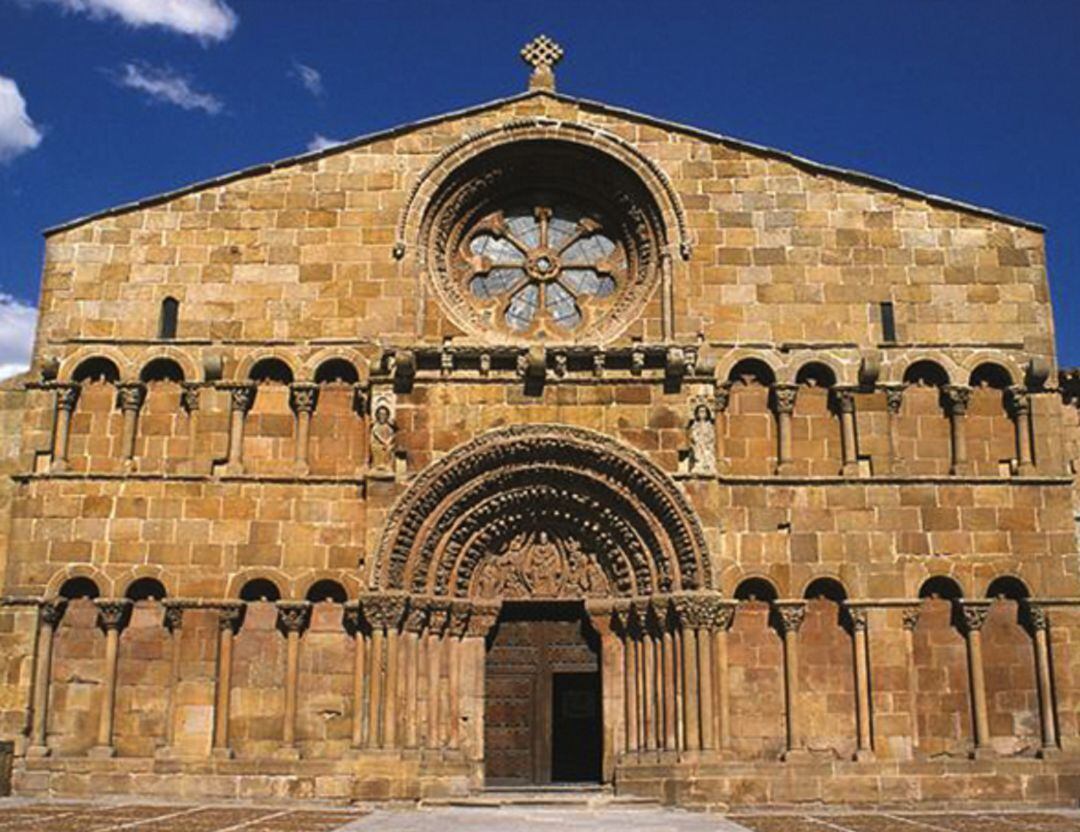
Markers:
542,263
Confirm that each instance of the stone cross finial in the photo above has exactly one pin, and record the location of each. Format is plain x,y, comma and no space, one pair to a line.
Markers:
542,53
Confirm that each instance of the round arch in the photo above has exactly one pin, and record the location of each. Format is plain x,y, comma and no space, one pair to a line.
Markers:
529,491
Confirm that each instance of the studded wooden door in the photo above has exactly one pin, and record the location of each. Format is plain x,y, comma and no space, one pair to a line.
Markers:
532,643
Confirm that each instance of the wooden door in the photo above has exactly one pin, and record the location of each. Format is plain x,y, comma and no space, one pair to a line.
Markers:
532,643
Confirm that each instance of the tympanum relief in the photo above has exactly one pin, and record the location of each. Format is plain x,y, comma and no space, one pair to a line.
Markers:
536,564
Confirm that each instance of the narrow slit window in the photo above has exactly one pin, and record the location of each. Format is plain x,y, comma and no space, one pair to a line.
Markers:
170,312
888,322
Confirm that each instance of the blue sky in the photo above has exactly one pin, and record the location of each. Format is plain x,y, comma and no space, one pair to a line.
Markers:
104,101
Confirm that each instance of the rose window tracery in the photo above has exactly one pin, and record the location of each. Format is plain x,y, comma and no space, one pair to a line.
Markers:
543,241
543,260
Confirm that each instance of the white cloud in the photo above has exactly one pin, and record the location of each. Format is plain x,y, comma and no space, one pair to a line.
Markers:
320,142
163,84
310,77
17,321
203,19
17,132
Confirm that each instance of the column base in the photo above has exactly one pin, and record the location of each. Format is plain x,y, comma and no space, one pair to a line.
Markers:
960,469
101,752
229,469
796,755
864,755
984,753
287,753
1048,752
37,752
222,754
785,468
1027,470
850,469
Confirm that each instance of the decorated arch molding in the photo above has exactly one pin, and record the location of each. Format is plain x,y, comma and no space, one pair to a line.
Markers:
545,129
542,511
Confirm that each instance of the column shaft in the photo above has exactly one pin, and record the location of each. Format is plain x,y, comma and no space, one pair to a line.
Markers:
49,615
691,701
708,696
667,692
222,692
292,674
376,734
630,680
360,671
864,738
1046,685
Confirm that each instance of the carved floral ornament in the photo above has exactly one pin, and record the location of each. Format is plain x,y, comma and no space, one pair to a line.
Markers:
543,241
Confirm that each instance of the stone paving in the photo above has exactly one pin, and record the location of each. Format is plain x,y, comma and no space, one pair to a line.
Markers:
23,816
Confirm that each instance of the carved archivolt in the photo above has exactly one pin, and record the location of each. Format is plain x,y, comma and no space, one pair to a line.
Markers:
542,511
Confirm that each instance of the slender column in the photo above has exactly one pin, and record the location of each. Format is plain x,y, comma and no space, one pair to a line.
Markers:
911,621
1019,403
975,613
723,618
894,401
956,403
624,623
230,617
666,682
293,618
456,629
864,738
791,615
354,626
174,621
689,611
844,398
651,715
112,615
130,397
438,620
302,397
386,614
241,398
67,396
783,396
377,672
1039,622
415,622
49,614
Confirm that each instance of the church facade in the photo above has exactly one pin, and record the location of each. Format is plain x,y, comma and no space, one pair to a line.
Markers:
544,442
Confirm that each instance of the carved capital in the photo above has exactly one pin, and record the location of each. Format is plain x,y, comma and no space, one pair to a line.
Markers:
956,399
174,615
303,396
241,396
844,399
416,616
482,617
438,615
1037,616
783,397
67,396
386,612
723,396
293,616
230,616
858,617
360,400
112,612
189,396
52,611
894,398
703,611
974,614
458,624
911,616
1018,400
130,395
791,615
352,617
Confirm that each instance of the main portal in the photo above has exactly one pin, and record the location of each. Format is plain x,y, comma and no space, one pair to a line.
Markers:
542,712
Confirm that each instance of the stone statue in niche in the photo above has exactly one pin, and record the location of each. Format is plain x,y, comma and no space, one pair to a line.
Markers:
538,565
702,435
383,443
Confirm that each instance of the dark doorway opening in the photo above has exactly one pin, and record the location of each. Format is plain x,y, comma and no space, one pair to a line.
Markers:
576,743
543,721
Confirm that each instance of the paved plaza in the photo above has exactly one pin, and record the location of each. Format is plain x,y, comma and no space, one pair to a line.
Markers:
23,816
